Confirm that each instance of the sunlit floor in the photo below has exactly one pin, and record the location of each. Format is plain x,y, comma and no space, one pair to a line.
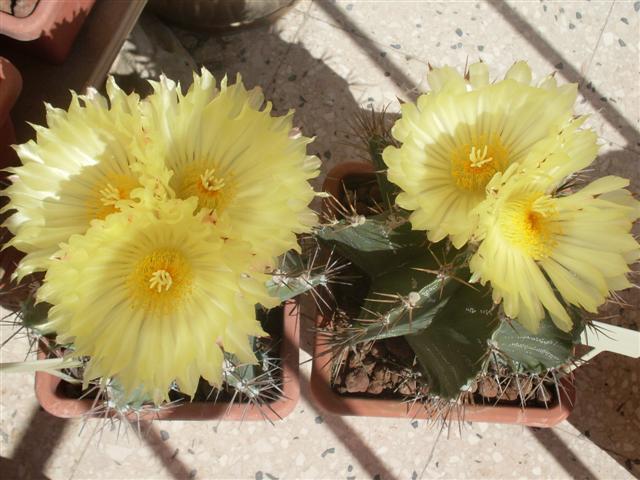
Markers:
328,60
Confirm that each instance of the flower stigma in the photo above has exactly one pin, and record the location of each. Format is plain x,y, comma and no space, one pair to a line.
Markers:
529,225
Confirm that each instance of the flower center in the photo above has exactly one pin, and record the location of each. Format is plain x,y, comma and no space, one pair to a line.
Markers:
116,188
475,163
160,280
213,191
529,224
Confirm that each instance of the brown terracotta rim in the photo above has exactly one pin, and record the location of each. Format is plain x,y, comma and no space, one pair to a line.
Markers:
338,404
333,402
52,401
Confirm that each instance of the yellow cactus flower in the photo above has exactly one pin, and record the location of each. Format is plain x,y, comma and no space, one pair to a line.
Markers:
539,244
153,299
248,170
78,169
464,131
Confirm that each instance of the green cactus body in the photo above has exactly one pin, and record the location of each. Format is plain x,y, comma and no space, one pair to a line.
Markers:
420,291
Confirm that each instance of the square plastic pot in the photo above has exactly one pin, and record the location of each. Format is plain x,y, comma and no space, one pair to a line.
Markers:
52,398
336,403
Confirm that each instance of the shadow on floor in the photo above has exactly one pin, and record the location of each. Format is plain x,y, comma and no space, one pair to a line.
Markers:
593,96
350,439
169,456
606,407
11,469
35,448
563,455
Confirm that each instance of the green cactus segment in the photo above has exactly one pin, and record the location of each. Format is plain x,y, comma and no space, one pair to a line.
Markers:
550,347
292,278
450,350
396,323
429,271
250,380
122,401
415,307
377,244
241,376
414,311
33,315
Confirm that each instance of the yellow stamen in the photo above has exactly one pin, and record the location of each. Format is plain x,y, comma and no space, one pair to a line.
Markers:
198,179
161,280
109,195
116,188
475,163
529,224
477,159
209,182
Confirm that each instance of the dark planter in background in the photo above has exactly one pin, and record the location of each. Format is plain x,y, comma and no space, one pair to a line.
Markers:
224,15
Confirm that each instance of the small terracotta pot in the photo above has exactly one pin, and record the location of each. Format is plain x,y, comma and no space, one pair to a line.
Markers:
10,87
49,392
336,403
49,31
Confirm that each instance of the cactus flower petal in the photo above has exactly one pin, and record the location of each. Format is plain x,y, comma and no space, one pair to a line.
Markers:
77,170
461,133
153,299
539,245
246,167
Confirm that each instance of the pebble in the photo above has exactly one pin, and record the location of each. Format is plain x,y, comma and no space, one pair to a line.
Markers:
357,381
488,387
542,394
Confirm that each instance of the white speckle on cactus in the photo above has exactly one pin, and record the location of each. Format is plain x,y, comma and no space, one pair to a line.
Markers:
227,367
357,220
279,278
412,299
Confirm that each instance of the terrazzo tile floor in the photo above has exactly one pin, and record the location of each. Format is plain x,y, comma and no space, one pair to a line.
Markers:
328,60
